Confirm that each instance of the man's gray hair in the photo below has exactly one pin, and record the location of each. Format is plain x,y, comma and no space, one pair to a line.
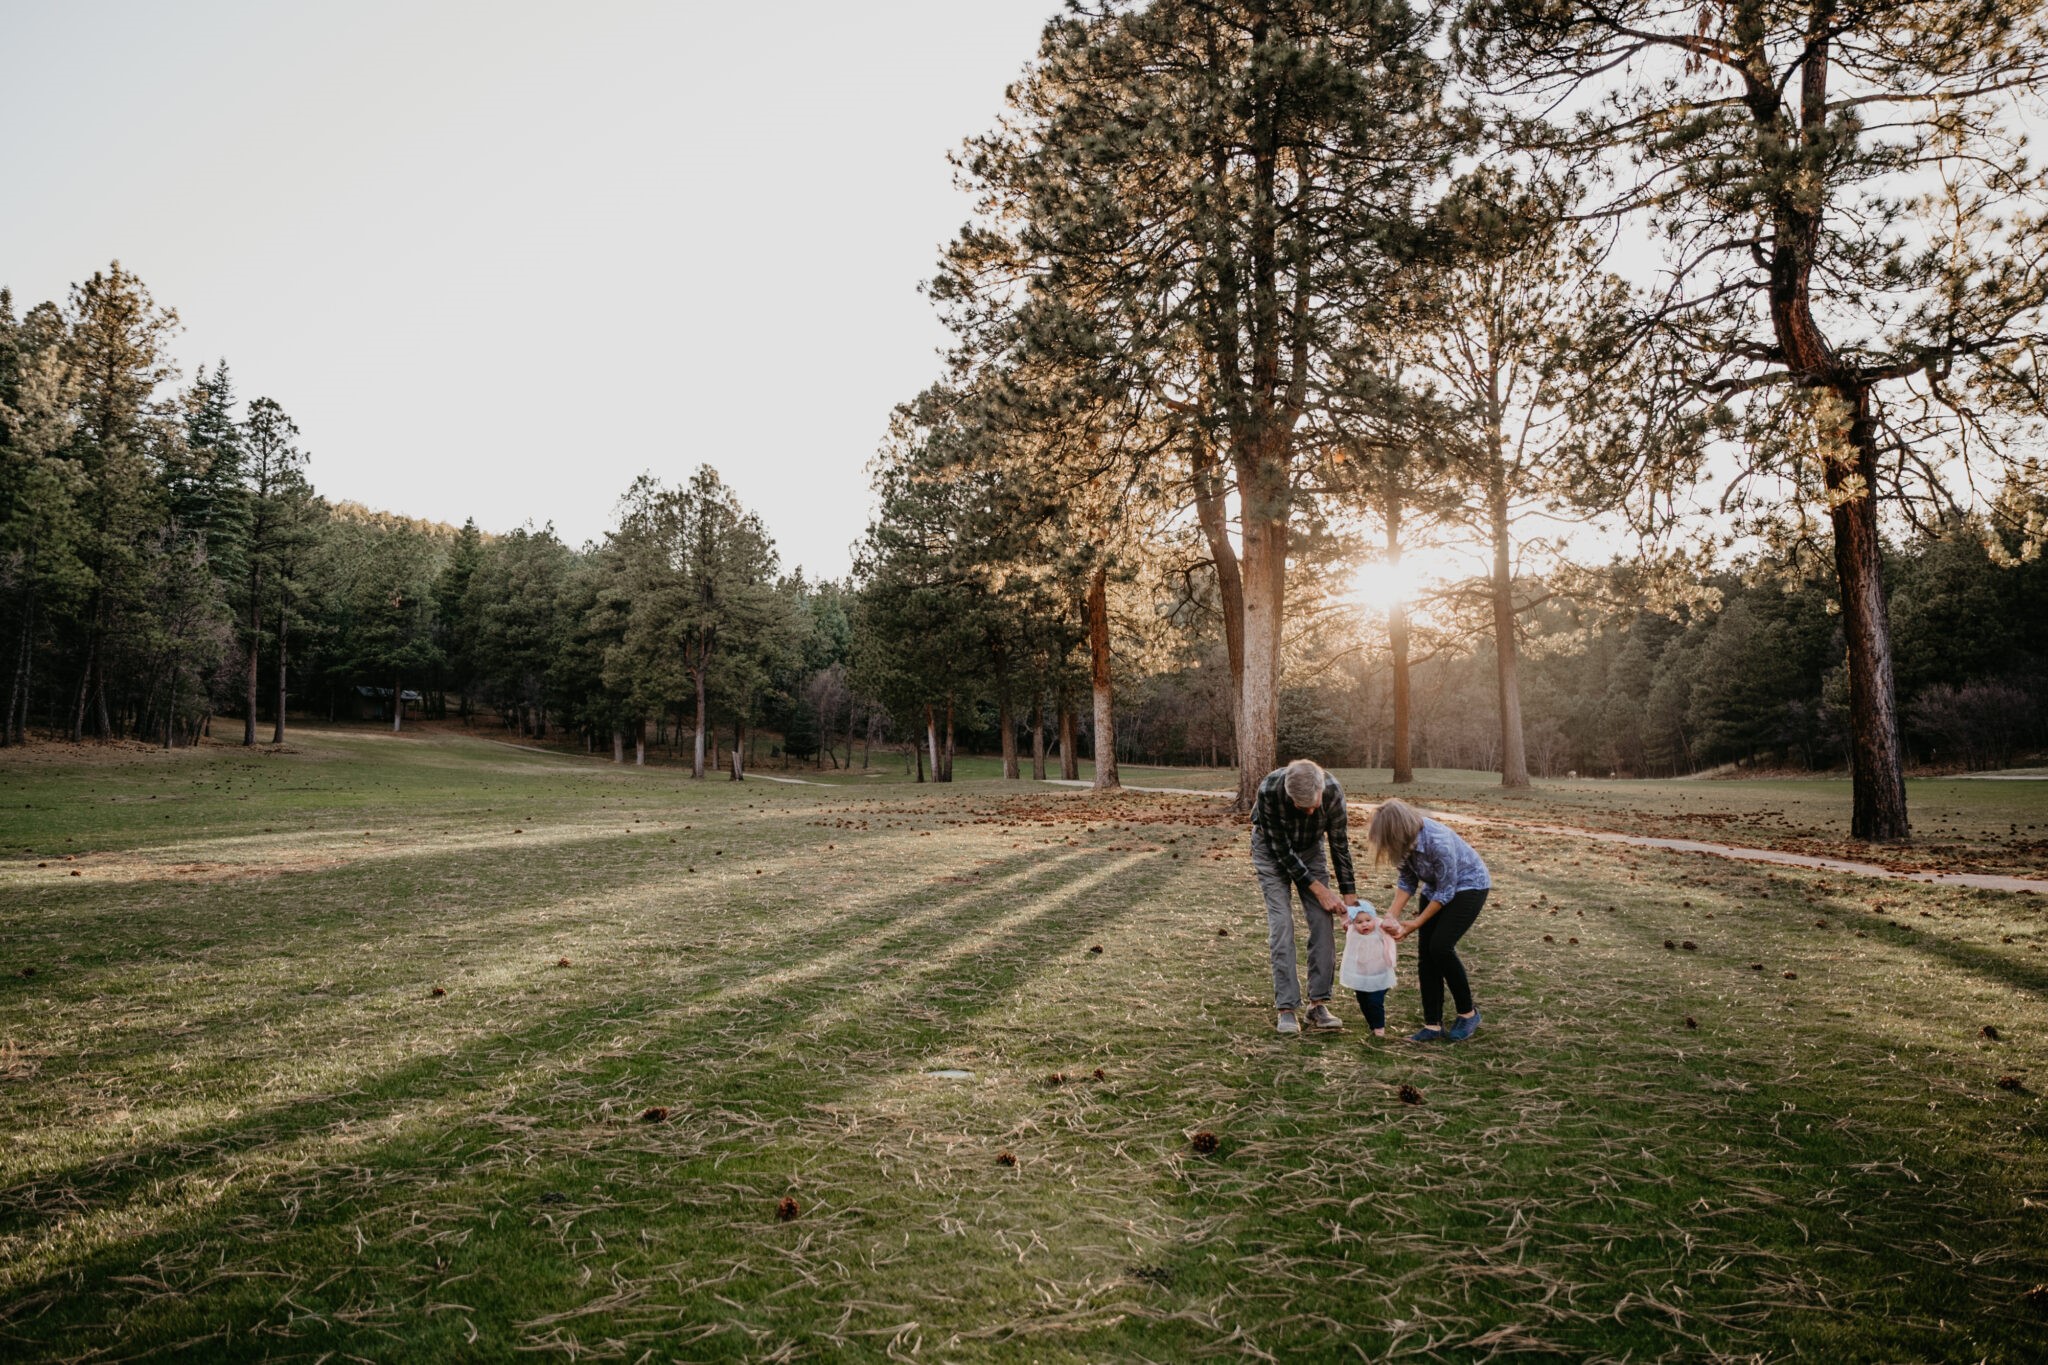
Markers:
1304,782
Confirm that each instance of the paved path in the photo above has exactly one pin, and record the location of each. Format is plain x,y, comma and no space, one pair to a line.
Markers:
1981,881
551,753
1156,791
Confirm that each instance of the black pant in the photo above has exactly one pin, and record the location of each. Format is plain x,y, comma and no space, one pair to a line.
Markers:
1436,956
1374,1003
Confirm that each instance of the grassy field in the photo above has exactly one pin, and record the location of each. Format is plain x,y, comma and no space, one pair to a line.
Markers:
343,1053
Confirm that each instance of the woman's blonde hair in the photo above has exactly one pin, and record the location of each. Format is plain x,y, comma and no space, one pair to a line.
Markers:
1392,830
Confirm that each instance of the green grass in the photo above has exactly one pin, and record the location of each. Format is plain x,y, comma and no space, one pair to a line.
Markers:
236,1124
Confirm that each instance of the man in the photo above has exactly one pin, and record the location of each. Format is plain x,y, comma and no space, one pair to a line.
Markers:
1298,807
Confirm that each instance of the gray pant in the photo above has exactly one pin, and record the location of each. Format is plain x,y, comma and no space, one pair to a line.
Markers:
1322,933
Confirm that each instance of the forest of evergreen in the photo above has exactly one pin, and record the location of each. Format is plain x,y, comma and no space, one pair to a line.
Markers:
166,566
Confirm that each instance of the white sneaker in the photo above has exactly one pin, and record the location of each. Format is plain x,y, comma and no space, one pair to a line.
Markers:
1287,1022
1319,1017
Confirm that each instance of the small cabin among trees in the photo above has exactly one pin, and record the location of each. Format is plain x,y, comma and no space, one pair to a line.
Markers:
374,703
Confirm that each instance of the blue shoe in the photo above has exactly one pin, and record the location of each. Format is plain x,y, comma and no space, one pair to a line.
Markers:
1461,1029
1428,1035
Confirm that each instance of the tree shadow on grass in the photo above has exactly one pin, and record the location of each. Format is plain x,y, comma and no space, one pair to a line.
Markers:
759,1081
256,923
1988,964
419,870
905,921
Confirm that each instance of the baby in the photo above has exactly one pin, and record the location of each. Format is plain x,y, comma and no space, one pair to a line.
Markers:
1368,968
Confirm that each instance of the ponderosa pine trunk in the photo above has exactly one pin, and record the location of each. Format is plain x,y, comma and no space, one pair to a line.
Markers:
1849,457
640,742
92,686
1007,724
1264,522
16,729
255,649
92,650
1038,738
397,703
1397,634
1006,721
1100,681
1070,758
1876,761
1514,758
948,755
739,751
1211,512
283,662
931,739
1262,376
697,743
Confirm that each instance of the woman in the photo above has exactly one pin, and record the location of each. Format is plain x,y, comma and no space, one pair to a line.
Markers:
1433,862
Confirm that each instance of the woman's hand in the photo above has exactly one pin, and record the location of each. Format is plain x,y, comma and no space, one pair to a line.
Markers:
1395,929
1412,925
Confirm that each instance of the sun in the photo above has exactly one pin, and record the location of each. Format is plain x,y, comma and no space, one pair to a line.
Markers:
1380,586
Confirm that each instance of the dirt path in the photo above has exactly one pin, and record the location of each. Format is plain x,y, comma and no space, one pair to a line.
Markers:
1981,881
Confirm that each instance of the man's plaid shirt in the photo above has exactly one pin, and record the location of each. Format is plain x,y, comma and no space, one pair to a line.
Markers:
1290,833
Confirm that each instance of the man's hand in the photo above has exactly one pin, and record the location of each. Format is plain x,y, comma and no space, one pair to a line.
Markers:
1351,899
1327,898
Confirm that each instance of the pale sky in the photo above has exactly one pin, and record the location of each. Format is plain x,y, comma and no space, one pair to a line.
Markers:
498,258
